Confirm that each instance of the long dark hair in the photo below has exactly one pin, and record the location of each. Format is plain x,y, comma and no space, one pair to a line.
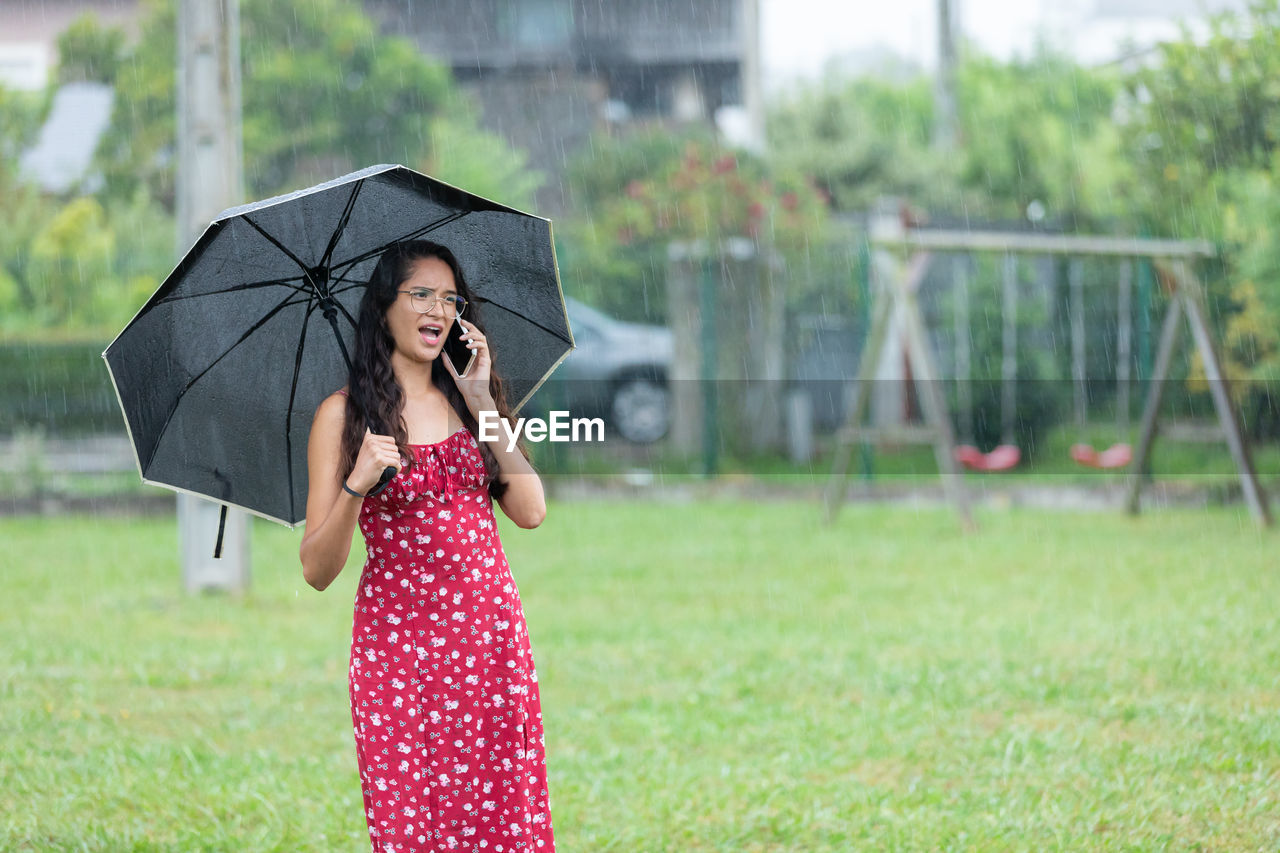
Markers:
374,397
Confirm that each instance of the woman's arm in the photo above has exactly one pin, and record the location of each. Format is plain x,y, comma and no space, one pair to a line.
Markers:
332,512
523,501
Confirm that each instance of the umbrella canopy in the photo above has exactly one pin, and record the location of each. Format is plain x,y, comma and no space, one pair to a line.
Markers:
220,373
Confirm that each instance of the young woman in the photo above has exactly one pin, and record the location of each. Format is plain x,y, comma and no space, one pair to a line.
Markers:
444,696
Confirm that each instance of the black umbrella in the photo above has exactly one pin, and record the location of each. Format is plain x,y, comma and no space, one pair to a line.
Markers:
220,373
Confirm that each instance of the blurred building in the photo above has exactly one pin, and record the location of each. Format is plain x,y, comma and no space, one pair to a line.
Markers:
29,31
62,158
547,73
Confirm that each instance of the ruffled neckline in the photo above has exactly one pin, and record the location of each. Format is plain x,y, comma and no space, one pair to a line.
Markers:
446,440
441,470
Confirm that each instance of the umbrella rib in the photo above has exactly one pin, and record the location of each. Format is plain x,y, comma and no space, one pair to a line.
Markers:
258,325
529,320
278,282
412,235
426,229
342,224
346,313
277,244
293,391
352,285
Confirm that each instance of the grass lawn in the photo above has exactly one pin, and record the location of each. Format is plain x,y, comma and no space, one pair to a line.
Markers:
715,676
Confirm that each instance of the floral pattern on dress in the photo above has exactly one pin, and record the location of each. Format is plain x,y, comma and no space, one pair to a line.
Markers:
444,695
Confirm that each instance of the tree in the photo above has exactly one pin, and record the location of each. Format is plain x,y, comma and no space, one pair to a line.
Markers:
1204,110
712,194
625,278
462,153
24,207
1038,130
860,139
324,93
1204,129
635,195
87,51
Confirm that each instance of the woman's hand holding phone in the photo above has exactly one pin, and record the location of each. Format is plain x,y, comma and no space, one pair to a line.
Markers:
474,385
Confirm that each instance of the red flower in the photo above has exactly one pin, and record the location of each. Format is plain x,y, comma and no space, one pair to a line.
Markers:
790,200
692,156
725,164
635,189
755,211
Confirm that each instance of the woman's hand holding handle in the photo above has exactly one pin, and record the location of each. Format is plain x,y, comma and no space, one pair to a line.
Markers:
377,462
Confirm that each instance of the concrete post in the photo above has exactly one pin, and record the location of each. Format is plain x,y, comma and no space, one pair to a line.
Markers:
751,75
946,129
685,320
209,179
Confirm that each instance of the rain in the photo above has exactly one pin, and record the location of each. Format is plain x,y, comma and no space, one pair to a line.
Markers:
896,394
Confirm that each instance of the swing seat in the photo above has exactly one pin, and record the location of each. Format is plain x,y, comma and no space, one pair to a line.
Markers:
1002,458
1115,456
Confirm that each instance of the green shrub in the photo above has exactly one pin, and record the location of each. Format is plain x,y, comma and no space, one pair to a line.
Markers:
61,388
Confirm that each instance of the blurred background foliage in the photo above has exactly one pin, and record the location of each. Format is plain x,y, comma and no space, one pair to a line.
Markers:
83,264
1183,145
638,194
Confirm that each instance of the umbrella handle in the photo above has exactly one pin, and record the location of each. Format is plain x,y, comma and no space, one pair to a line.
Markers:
222,527
385,479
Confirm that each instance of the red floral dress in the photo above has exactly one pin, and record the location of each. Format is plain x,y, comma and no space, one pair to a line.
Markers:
444,697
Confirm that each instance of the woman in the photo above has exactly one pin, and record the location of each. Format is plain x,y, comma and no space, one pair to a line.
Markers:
444,696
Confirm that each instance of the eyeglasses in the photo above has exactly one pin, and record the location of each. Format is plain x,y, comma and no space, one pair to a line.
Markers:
424,300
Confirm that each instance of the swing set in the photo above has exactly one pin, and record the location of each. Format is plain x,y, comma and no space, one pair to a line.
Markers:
1007,454
908,255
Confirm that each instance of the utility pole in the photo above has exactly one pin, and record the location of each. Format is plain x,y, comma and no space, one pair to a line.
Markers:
752,90
209,180
947,127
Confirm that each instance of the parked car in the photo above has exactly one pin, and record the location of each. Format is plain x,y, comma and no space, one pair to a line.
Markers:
618,372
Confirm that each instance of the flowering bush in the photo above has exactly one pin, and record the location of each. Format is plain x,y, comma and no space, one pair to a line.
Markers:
712,194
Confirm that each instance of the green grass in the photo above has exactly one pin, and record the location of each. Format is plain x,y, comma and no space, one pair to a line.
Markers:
715,676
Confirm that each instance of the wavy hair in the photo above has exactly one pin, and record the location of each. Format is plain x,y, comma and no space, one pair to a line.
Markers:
374,397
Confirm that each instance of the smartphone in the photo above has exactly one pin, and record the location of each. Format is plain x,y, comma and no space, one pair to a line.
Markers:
456,347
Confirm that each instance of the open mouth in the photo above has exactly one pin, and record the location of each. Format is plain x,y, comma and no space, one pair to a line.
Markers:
431,333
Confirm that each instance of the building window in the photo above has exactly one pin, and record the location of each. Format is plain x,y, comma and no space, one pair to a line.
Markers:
536,23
